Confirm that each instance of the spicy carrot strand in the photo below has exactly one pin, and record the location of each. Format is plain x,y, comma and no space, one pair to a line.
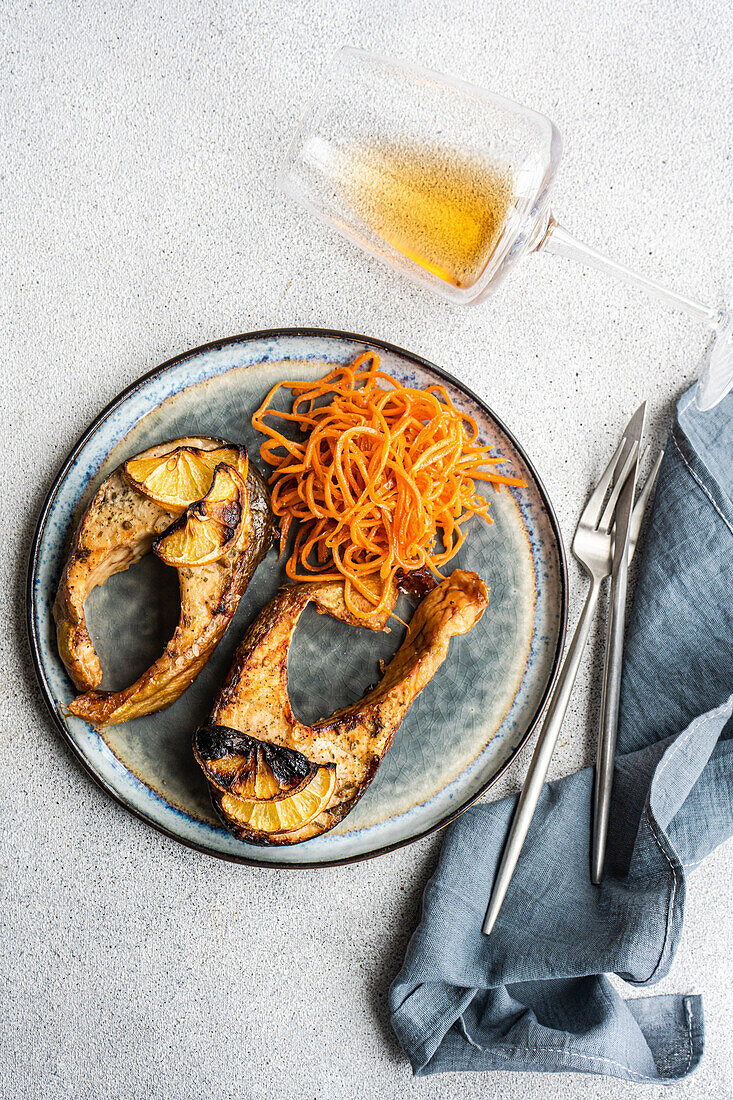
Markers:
379,475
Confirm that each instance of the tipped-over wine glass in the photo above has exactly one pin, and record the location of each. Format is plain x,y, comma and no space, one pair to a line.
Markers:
450,185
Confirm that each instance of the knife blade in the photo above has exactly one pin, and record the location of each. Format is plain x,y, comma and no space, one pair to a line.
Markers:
610,698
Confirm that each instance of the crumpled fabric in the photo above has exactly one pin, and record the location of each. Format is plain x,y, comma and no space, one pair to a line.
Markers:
534,995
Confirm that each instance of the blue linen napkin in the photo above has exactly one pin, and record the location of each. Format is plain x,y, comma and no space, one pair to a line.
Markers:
534,995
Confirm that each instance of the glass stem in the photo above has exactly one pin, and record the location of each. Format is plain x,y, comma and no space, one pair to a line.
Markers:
558,240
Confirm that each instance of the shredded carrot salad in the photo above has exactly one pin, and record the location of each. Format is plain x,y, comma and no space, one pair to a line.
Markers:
382,473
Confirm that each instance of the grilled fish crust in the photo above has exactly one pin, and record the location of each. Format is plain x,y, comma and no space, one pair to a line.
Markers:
118,529
254,696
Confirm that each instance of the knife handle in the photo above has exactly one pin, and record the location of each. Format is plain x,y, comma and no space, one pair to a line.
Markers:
537,771
610,699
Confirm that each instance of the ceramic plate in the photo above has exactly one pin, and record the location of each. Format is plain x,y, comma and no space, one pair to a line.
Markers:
464,728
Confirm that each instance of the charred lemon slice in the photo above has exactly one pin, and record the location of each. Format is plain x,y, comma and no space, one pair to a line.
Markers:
182,476
208,528
256,771
283,815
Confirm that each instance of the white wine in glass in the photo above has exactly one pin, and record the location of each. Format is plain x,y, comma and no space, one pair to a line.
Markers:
450,185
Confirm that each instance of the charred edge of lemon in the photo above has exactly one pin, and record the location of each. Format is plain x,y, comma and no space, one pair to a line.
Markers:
251,769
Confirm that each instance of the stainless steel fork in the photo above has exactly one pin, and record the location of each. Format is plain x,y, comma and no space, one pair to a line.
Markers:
593,547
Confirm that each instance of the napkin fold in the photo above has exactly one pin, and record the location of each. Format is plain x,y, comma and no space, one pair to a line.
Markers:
534,995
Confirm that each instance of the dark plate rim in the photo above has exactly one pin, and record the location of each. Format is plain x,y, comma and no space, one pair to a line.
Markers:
215,345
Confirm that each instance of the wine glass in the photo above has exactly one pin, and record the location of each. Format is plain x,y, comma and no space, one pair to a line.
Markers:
448,184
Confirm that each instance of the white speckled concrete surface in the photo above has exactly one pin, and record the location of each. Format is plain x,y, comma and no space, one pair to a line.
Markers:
139,144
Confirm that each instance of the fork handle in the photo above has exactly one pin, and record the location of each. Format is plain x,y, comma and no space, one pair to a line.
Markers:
540,762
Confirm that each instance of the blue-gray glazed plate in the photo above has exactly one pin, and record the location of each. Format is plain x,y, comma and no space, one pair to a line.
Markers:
462,731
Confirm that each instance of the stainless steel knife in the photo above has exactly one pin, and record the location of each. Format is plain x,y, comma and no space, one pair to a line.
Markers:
614,654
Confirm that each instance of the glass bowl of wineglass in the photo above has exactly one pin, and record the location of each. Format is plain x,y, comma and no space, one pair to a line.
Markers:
448,184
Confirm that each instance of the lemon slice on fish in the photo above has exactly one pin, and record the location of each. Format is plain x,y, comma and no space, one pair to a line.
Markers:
209,527
182,476
250,769
285,814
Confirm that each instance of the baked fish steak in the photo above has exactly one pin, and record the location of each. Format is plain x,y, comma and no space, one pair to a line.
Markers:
276,780
116,530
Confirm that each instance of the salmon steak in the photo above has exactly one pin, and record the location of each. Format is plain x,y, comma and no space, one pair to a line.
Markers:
131,512
274,779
